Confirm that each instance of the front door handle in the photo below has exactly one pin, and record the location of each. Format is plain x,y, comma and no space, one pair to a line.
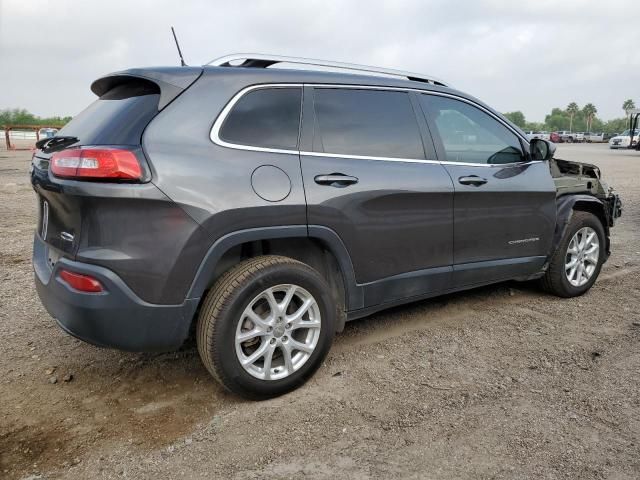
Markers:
335,180
474,180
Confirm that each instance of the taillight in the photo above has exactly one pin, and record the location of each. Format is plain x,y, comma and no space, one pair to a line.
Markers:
96,163
78,281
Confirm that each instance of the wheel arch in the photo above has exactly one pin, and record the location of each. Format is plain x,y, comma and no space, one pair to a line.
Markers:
317,246
567,204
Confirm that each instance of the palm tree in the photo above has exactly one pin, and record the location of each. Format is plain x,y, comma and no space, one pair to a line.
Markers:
572,109
589,111
627,106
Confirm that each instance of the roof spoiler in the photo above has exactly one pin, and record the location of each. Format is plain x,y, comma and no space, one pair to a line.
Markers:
171,81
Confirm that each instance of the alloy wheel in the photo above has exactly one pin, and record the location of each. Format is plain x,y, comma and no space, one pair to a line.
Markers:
582,256
278,332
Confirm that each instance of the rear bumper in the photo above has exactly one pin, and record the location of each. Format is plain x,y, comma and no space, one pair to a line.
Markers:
116,317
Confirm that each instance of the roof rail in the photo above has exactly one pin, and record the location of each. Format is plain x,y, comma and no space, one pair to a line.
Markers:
259,60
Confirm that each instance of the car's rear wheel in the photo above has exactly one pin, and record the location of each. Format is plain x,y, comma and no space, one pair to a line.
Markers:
266,326
576,264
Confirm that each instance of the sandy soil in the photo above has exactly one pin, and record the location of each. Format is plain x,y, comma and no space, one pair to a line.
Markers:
501,382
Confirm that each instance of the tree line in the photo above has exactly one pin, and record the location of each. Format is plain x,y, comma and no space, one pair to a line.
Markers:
575,119
20,116
572,118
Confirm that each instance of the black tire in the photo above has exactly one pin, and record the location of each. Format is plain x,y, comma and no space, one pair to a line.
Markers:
223,308
555,280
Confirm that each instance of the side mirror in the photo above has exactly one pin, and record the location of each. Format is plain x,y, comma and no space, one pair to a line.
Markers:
541,149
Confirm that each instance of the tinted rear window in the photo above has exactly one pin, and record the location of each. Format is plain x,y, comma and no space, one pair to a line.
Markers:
267,118
367,122
118,117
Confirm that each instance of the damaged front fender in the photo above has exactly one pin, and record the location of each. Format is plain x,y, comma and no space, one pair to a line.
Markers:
602,209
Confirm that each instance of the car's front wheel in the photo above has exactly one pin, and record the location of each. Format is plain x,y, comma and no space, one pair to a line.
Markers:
266,326
576,264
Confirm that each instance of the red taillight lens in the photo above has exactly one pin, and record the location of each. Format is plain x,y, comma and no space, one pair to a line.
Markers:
83,283
96,163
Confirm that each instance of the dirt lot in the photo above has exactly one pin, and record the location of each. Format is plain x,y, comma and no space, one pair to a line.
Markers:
501,382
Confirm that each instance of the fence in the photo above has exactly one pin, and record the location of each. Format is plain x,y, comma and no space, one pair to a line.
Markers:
23,137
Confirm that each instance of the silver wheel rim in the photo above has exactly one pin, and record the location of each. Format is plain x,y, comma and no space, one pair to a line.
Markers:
582,257
278,332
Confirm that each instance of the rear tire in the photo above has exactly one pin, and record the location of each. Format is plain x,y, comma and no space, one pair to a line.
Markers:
574,267
262,300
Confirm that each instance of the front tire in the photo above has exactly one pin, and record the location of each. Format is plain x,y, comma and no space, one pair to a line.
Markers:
266,326
577,262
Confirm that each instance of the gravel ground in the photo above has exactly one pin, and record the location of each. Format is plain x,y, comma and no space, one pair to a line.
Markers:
500,382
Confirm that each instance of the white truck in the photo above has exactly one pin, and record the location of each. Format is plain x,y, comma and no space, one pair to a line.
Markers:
571,137
594,137
543,135
624,139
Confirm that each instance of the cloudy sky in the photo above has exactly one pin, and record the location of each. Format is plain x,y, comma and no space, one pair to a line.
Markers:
528,56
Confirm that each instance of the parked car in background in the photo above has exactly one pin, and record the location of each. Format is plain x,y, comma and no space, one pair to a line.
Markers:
624,139
608,136
566,136
579,137
594,137
542,135
47,132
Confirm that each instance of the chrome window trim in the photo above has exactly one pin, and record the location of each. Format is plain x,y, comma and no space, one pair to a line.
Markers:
217,125
493,165
367,157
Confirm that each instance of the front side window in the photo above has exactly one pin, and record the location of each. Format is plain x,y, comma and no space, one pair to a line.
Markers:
470,135
266,118
372,123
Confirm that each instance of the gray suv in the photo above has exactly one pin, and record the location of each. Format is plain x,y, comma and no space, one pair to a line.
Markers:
265,207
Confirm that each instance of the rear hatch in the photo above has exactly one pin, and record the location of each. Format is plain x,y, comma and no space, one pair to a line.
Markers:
127,101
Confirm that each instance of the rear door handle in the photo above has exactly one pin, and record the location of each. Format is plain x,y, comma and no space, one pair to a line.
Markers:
335,180
474,180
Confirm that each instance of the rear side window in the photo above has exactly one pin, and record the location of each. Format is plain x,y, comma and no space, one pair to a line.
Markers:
373,123
470,135
118,117
267,118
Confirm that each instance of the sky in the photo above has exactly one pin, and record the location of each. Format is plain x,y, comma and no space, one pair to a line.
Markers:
514,55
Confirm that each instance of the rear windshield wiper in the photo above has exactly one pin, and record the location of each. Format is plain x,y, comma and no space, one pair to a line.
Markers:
48,145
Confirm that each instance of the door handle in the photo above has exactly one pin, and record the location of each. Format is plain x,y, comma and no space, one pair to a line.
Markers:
474,180
335,180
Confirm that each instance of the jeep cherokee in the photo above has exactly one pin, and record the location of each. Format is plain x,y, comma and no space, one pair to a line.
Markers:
267,206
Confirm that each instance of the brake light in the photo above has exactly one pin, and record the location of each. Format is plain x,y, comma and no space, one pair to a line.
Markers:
78,281
96,163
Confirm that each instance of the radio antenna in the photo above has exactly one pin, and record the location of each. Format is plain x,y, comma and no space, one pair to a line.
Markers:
182,64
